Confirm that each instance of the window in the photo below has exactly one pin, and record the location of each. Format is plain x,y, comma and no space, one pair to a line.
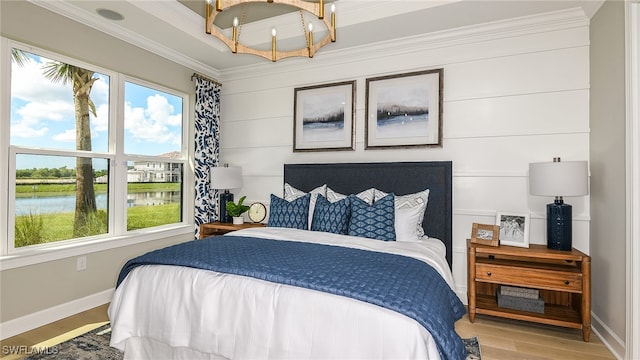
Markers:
75,177
153,199
153,129
46,200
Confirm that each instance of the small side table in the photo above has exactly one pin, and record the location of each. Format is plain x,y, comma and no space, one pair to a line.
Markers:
562,277
220,228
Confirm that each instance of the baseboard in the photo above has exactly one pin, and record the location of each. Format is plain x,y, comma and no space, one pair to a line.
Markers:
29,322
612,341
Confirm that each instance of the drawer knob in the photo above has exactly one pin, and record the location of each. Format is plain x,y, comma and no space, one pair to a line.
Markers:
488,273
566,282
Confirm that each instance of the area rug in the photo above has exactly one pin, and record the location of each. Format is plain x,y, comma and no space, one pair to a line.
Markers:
473,348
94,345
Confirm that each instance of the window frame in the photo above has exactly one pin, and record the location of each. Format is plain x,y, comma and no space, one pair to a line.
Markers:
117,234
9,245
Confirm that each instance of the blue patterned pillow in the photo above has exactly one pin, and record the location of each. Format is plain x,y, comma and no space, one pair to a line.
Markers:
374,222
294,214
331,217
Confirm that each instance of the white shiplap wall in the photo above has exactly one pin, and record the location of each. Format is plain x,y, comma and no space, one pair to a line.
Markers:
515,92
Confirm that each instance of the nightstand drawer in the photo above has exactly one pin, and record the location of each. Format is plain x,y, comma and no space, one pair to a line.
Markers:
529,277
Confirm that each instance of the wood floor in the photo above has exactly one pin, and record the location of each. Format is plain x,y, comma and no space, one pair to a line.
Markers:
500,339
50,331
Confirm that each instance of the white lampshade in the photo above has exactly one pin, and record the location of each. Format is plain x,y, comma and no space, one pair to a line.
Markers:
223,177
562,178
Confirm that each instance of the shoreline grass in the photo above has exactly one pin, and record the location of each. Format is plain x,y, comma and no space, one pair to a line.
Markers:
24,190
37,228
59,226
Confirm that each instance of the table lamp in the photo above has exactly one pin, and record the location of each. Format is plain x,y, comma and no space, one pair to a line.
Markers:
559,178
225,178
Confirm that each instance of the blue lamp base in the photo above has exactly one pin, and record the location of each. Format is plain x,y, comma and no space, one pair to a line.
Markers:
225,197
559,218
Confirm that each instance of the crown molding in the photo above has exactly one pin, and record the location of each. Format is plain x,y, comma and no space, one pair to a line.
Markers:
192,24
94,21
181,18
552,21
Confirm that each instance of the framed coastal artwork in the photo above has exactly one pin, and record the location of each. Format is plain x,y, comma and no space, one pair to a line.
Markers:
323,117
404,110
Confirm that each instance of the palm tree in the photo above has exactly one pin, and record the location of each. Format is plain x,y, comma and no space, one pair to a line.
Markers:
19,56
82,81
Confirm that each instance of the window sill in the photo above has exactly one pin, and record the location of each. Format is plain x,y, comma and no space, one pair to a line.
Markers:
31,257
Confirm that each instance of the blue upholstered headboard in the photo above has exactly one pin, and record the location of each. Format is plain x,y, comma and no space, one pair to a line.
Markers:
400,178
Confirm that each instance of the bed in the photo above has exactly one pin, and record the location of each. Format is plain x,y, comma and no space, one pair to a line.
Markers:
283,293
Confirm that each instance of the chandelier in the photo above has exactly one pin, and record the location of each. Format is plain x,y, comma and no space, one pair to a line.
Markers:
310,47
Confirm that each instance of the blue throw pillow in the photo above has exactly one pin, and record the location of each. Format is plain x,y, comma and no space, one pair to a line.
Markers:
331,217
294,214
374,222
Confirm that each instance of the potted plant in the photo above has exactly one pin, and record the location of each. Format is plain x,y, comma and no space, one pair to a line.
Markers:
236,210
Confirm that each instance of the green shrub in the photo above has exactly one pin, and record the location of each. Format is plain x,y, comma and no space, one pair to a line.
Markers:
96,223
29,230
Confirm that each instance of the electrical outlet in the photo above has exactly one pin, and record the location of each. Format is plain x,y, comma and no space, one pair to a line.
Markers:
81,263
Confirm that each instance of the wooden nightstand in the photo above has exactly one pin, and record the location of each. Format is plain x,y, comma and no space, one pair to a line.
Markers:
218,228
562,277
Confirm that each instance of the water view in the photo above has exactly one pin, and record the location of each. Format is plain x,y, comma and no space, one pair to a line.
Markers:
66,203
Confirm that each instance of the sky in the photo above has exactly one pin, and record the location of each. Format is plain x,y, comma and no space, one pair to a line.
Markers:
42,115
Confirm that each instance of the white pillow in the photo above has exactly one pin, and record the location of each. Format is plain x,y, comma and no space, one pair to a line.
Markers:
366,195
291,193
405,223
410,210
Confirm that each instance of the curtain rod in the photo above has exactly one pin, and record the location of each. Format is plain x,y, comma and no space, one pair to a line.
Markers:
205,78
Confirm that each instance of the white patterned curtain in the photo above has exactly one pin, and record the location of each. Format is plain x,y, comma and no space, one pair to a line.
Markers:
207,151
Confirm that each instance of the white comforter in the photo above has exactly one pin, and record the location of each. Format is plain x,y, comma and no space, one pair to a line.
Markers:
169,312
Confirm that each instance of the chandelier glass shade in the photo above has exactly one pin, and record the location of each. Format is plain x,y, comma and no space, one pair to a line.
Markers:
310,47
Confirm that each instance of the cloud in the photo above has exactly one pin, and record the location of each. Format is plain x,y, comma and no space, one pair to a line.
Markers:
22,130
42,112
153,123
34,116
37,103
101,122
29,84
160,109
69,136
66,136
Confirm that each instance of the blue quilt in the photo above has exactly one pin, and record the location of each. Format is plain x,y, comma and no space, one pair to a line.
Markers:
403,284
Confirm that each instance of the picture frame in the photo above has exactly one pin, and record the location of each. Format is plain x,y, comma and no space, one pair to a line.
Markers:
485,234
514,228
324,117
405,110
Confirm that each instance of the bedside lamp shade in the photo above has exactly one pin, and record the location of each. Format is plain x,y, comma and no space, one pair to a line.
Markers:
225,178
566,178
559,178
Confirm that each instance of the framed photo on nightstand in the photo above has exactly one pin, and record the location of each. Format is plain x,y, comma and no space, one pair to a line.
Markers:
514,229
485,234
